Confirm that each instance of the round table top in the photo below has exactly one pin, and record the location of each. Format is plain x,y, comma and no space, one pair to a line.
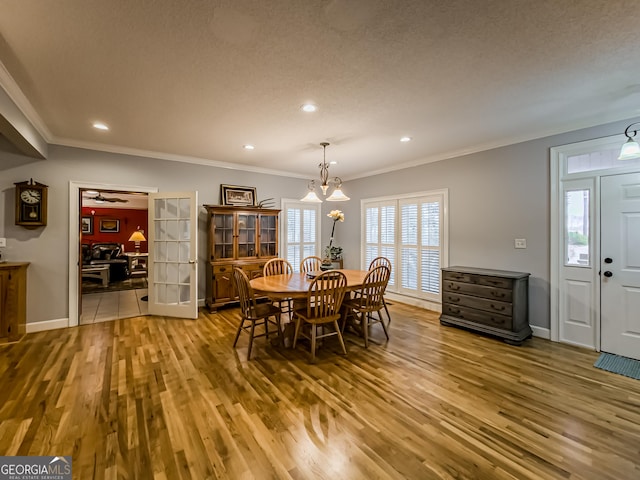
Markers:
297,284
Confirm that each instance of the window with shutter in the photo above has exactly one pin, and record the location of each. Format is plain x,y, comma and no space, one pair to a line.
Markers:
410,231
303,231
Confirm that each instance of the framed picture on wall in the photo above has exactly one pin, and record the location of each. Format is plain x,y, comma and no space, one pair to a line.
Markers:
87,225
109,225
235,195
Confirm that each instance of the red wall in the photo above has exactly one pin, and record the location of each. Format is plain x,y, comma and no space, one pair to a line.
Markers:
130,220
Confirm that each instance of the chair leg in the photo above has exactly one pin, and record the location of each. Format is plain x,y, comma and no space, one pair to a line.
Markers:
297,332
279,326
266,328
238,333
382,323
386,309
364,324
344,349
314,332
253,326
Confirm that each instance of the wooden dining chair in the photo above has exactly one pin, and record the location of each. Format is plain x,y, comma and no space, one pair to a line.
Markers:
252,312
369,300
279,266
311,264
376,262
322,308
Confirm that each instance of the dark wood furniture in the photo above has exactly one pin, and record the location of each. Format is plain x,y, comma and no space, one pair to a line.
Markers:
495,302
246,237
13,300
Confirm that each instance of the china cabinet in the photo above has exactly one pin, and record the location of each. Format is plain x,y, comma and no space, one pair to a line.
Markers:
244,237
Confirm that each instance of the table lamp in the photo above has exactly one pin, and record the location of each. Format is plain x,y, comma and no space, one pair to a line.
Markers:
137,237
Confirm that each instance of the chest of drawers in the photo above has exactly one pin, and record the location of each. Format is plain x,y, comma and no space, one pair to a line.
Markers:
495,302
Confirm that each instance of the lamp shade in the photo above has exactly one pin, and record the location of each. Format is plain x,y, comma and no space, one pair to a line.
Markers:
337,196
137,236
629,150
311,197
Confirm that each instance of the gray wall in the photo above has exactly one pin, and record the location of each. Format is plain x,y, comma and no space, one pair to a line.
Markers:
47,248
494,197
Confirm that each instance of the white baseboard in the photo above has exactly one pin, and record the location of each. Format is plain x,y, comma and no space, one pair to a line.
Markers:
47,325
416,302
541,332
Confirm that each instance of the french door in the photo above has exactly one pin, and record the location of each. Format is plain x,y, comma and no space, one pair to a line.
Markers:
173,266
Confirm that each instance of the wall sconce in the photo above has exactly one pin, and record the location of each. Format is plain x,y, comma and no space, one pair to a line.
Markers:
336,195
137,237
630,149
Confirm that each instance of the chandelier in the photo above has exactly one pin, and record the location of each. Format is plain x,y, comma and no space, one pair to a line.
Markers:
630,149
336,195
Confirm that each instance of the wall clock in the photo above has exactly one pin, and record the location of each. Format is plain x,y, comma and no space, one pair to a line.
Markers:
31,204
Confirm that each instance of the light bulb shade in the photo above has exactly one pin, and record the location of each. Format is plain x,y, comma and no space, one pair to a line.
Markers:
137,236
629,150
337,196
311,197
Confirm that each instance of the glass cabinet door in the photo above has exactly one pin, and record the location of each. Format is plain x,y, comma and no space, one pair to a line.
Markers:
223,235
247,235
268,236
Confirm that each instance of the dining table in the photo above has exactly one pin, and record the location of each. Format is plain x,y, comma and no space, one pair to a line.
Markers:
296,285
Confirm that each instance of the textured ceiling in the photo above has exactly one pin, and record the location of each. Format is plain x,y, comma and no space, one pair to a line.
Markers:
198,79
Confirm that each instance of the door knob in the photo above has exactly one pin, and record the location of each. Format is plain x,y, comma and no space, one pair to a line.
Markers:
608,260
608,274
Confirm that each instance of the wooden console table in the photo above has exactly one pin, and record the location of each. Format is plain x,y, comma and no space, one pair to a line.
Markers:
13,300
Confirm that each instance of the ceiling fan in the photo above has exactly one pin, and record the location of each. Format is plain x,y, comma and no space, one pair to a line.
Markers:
99,198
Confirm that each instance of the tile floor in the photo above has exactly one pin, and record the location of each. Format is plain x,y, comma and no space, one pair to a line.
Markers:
102,307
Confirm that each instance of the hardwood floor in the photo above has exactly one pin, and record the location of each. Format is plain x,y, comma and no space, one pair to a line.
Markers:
150,397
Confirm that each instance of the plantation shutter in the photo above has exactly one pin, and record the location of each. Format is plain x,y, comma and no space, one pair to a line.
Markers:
409,231
302,221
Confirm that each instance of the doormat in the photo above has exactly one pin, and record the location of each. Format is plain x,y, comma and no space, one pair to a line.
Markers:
620,365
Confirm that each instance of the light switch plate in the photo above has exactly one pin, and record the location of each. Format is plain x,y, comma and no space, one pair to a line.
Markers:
3,242
521,243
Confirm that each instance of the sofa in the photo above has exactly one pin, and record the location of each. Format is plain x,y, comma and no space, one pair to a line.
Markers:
107,254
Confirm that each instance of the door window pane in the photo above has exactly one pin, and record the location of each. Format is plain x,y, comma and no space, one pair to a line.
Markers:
577,241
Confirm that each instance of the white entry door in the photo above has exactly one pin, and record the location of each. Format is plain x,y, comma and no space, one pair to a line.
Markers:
620,265
173,253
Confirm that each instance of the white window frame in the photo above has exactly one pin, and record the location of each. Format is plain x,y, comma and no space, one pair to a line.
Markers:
286,204
395,291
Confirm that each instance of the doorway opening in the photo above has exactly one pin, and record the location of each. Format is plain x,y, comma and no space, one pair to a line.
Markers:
593,262
113,254
106,225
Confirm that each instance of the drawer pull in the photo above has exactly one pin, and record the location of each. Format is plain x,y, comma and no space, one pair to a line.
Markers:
497,294
454,310
500,309
223,269
454,299
453,286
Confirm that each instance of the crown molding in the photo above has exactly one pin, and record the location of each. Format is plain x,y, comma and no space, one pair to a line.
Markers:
101,147
14,92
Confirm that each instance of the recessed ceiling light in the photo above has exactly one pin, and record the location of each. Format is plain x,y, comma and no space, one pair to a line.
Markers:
248,147
100,126
309,107
405,139
333,162
91,192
